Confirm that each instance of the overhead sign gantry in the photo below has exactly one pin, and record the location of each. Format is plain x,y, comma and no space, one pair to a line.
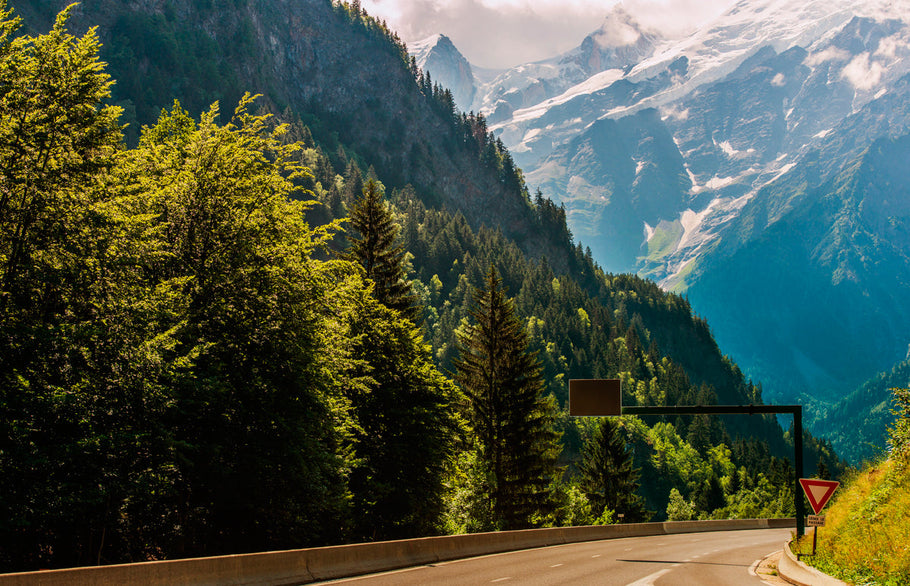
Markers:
603,398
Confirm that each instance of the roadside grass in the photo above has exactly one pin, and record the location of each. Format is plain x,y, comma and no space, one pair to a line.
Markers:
866,537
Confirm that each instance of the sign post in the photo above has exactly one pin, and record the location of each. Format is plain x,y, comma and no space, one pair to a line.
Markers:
819,493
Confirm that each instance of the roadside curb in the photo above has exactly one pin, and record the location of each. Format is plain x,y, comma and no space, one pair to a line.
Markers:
796,572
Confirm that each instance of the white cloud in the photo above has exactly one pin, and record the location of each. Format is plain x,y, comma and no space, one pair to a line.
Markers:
674,112
863,74
887,47
504,33
829,54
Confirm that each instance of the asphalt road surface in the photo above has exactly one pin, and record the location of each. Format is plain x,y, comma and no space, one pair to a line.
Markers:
697,559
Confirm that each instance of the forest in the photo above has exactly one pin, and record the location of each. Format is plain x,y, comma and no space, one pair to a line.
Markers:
233,337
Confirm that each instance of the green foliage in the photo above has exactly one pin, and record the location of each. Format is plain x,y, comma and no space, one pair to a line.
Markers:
867,528
181,376
899,433
56,145
186,368
509,417
608,476
404,431
573,507
857,425
157,58
376,249
678,509
234,306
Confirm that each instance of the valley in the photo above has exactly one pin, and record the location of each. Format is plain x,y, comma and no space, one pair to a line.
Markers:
756,165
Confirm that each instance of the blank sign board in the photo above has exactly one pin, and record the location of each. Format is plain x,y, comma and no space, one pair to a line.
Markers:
595,397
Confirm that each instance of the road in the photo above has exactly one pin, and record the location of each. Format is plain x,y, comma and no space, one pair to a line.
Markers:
697,559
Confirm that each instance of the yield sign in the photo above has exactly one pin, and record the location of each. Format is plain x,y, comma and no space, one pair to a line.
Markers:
818,491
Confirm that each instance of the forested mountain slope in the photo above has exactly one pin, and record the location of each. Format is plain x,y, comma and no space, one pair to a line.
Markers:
859,422
348,76
762,157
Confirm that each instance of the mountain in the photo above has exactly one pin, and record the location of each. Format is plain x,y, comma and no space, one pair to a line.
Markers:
858,423
756,165
447,66
186,371
348,76
618,44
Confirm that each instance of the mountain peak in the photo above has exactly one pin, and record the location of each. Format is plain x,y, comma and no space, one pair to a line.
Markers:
620,42
619,29
438,56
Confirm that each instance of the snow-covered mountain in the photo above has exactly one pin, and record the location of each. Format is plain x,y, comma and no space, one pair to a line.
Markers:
759,164
603,55
734,129
447,66
617,45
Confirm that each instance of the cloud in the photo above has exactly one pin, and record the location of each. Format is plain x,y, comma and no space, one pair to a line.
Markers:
829,54
504,33
863,74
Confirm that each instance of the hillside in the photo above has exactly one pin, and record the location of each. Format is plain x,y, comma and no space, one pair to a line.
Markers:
866,527
858,423
338,96
348,76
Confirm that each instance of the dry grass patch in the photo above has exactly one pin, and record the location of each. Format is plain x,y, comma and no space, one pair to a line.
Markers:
866,539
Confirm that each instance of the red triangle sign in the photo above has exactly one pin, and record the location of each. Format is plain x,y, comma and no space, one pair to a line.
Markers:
818,491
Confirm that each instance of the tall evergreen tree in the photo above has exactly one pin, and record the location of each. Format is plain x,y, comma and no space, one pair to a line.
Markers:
404,430
403,436
511,420
377,249
608,475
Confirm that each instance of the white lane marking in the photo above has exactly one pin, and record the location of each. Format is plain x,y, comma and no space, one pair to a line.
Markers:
651,579
501,579
555,565
596,555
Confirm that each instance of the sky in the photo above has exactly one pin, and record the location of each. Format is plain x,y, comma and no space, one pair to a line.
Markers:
505,33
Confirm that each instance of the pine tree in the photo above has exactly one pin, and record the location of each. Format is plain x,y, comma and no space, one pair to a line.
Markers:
511,420
404,428
377,250
608,476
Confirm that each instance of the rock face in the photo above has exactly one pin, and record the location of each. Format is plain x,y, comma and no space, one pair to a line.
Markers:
448,67
754,165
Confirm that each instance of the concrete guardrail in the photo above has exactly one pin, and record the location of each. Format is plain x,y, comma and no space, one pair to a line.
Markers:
301,566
